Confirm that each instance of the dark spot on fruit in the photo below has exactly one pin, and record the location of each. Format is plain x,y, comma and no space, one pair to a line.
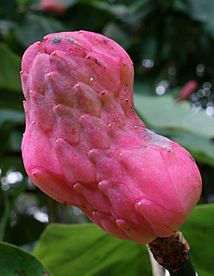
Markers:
97,62
56,40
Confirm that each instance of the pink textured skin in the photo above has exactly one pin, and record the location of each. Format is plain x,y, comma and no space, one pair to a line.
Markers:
85,146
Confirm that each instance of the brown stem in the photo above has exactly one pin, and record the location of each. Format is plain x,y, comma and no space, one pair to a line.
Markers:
173,254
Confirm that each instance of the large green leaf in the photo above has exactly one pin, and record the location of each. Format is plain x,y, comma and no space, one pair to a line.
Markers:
35,27
9,115
16,262
198,230
11,100
9,69
86,250
116,33
203,10
7,8
25,231
164,113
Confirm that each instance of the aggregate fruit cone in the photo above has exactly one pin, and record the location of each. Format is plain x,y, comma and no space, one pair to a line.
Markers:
84,145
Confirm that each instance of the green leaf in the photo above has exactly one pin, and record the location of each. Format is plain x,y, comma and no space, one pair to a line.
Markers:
198,230
180,6
25,231
7,8
115,32
9,69
86,16
203,11
149,47
11,100
86,250
117,10
4,216
15,140
16,262
35,27
9,115
7,163
164,113
68,3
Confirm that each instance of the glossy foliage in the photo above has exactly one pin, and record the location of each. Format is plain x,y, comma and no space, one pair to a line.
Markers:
14,261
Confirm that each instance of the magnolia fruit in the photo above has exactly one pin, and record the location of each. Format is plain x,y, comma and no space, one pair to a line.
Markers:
84,145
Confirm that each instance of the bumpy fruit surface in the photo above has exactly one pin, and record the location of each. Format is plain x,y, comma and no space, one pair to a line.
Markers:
85,146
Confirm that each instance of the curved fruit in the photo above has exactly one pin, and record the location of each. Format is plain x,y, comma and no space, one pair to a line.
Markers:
85,146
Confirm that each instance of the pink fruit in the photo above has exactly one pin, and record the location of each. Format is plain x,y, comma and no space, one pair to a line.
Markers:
85,146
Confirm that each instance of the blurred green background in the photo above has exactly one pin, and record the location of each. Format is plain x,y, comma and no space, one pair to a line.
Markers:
171,44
